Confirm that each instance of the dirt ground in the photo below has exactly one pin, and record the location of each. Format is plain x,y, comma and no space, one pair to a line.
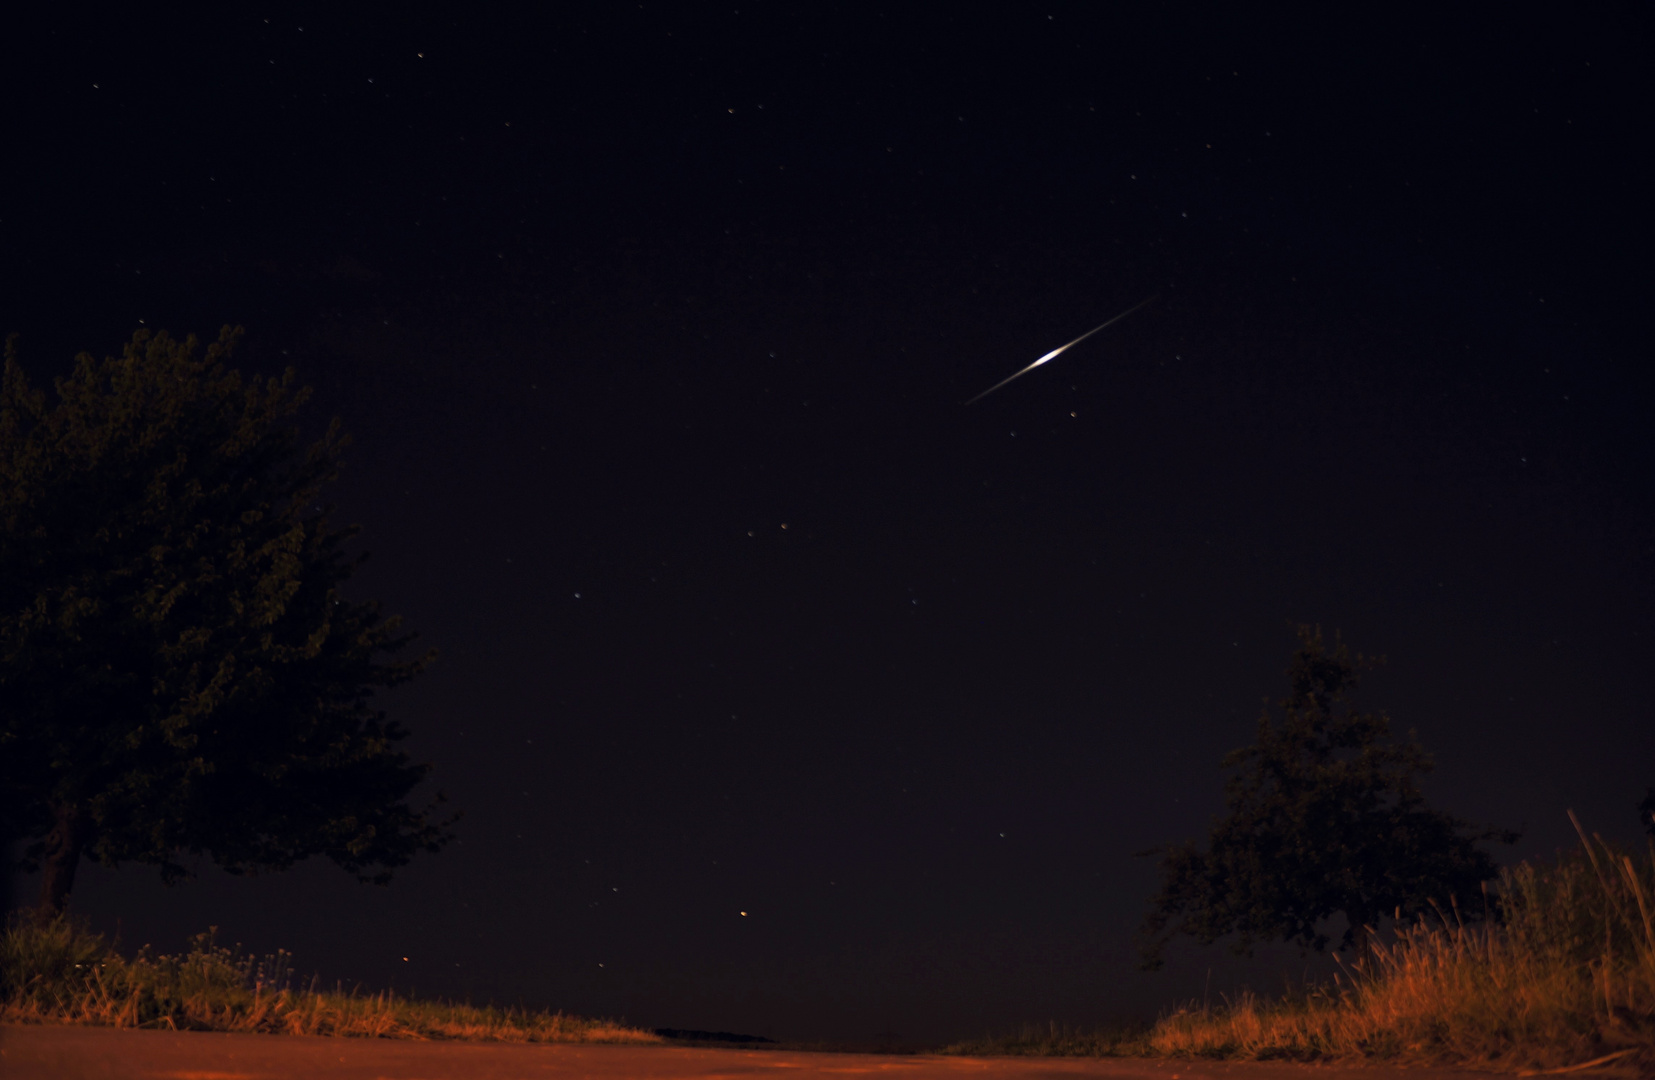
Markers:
82,1053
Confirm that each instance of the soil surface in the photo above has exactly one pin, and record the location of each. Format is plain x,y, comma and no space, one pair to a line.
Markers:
85,1053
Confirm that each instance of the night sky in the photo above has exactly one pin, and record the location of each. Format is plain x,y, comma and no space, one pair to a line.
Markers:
653,326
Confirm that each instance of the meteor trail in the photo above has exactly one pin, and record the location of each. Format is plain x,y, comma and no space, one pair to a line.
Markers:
1060,350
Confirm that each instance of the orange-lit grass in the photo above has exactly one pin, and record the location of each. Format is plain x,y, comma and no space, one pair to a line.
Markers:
61,974
1561,974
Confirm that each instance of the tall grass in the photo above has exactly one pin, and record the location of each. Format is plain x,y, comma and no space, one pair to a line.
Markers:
58,972
1561,973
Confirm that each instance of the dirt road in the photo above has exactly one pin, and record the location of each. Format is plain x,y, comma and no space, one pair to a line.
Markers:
80,1053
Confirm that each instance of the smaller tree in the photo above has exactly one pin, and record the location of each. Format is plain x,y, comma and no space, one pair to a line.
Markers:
1325,817
1646,812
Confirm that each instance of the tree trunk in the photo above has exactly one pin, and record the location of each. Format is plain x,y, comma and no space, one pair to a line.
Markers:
58,862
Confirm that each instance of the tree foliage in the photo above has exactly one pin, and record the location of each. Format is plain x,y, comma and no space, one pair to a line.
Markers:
179,672
1325,817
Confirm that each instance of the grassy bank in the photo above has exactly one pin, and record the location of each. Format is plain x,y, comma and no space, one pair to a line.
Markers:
1561,973
60,973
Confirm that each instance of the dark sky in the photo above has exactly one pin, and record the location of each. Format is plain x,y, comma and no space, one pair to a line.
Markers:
653,325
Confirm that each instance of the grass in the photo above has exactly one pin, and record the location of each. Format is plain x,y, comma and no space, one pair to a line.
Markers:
60,973
1560,974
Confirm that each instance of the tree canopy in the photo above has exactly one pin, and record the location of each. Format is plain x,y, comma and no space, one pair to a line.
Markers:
180,675
1325,817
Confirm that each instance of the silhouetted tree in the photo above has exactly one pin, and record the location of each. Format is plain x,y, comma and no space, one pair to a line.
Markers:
1325,817
1646,812
179,674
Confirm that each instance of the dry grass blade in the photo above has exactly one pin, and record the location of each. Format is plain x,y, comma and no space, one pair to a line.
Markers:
1582,1067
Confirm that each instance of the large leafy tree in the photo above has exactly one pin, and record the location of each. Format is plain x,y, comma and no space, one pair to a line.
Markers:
180,674
1325,818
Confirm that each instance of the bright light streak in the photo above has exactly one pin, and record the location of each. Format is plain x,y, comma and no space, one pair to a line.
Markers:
1055,353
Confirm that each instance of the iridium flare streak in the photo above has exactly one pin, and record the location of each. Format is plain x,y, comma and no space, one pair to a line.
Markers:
1060,350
